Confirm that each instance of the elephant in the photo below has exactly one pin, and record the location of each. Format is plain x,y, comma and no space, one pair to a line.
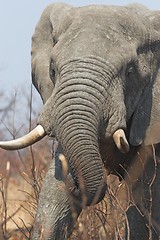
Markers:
96,69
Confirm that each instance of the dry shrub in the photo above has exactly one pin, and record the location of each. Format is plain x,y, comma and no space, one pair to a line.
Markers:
21,172
107,219
19,190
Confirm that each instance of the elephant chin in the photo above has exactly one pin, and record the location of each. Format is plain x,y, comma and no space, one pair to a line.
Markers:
32,137
120,140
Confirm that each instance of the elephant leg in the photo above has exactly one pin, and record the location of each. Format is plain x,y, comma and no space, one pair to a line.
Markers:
137,214
155,204
54,219
144,218
137,225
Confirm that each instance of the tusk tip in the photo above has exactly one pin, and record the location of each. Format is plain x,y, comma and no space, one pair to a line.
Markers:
121,141
27,140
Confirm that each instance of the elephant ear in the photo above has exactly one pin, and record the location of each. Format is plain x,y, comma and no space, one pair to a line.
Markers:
145,125
153,130
43,42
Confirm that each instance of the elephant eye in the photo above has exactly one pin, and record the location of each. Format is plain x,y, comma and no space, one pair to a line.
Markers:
130,69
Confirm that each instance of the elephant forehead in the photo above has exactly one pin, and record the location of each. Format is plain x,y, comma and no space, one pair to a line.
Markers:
101,31
107,21
81,44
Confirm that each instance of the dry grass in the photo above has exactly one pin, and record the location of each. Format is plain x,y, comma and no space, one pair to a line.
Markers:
19,190
104,220
19,196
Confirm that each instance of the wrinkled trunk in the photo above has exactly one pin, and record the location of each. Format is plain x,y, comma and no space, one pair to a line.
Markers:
75,112
85,163
77,120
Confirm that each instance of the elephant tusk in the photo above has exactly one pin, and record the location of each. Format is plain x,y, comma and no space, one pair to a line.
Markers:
121,141
32,137
64,165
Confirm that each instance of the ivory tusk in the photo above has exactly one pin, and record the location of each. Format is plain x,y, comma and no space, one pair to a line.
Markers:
64,165
32,137
121,141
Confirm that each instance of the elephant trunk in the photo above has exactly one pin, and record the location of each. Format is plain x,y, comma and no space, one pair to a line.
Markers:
77,120
81,149
74,114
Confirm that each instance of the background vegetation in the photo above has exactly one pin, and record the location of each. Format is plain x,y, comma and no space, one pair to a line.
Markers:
21,177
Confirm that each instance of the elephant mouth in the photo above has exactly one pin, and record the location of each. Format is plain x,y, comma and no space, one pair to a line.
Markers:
38,133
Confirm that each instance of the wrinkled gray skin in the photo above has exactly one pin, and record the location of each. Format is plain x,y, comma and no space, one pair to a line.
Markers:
97,70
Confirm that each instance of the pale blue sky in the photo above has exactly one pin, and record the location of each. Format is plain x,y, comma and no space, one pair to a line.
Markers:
17,22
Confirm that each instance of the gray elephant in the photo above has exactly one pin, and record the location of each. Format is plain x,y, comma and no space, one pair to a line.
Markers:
97,71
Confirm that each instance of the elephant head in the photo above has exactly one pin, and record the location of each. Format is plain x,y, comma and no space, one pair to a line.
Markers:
97,71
